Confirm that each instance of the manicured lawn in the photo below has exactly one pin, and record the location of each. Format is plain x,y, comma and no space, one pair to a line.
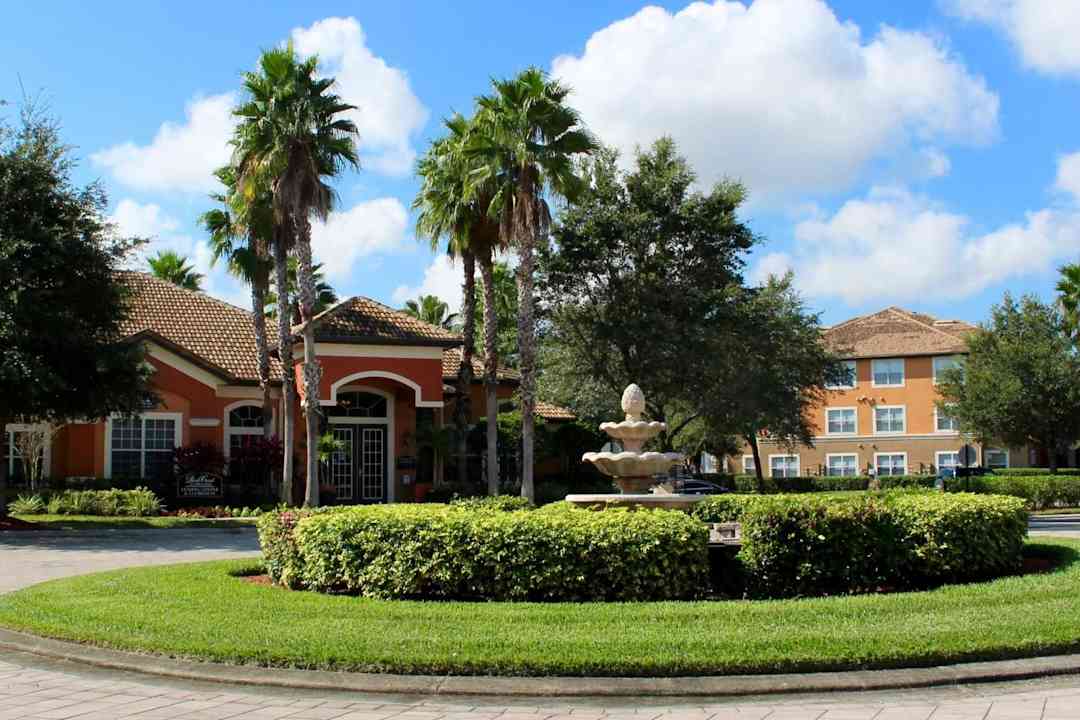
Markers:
201,611
81,522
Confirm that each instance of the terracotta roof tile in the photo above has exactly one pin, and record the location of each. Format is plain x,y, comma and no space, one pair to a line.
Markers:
551,411
451,362
212,333
361,320
895,332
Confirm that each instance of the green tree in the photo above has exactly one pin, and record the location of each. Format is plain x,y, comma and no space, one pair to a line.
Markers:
770,375
1018,385
644,273
525,138
241,234
325,295
173,267
293,137
432,310
503,318
1068,288
62,303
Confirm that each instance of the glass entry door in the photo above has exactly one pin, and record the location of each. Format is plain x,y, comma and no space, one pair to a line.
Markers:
358,471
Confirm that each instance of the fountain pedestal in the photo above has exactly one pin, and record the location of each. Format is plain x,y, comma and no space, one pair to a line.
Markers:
632,470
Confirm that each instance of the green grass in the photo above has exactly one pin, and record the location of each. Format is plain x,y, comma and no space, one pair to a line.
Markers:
88,522
201,611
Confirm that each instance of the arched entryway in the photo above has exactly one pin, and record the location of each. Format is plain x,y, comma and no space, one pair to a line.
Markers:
362,421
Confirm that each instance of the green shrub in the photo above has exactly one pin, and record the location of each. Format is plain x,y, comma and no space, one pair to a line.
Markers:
1038,491
27,505
506,503
1035,471
139,502
278,542
439,551
828,483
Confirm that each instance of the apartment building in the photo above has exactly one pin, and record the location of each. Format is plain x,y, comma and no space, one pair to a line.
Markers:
884,416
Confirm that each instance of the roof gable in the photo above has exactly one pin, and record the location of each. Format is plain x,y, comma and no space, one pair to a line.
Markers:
451,363
895,332
362,320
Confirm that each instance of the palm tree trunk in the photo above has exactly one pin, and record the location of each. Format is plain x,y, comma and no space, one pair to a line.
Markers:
491,372
463,406
258,319
527,351
285,350
312,370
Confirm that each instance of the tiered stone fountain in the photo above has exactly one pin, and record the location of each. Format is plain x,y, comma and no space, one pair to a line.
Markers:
634,471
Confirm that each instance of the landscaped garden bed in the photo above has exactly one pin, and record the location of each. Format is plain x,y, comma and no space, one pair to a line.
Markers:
203,611
115,508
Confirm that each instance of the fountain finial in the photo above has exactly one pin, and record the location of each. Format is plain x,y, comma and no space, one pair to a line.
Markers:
633,402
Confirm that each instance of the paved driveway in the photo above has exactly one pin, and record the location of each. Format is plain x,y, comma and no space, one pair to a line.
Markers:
27,558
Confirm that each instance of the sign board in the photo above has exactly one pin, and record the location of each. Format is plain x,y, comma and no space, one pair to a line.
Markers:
199,485
968,456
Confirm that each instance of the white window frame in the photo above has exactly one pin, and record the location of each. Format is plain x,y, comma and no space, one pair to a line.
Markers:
388,421
956,359
9,437
1003,451
830,456
230,430
786,456
854,411
939,453
752,469
902,430
873,372
178,435
854,377
877,472
937,429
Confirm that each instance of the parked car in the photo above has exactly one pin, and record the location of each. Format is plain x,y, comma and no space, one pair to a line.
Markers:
698,487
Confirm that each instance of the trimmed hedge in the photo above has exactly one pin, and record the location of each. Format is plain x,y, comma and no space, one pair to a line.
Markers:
1039,492
447,552
797,545
827,483
1036,471
506,503
139,502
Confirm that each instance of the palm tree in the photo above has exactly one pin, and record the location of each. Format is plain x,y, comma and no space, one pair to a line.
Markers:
1068,288
449,207
525,139
325,296
251,223
432,310
173,267
292,137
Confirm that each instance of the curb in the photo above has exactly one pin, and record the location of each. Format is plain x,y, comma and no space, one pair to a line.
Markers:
712,686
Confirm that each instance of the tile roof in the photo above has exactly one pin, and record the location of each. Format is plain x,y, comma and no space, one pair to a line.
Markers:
361,320
551,411
895,332
451,362
214,334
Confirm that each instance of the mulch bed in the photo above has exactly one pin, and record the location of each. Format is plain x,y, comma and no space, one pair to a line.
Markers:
258,580
10,523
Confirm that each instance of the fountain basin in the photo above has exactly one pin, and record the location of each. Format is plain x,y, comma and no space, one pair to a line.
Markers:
651,501
630,464
633,433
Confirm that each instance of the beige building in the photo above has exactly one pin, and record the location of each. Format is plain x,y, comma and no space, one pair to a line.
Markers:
885,416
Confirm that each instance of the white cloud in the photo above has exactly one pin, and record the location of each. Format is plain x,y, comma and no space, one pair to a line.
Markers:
780,94
388,114
893,245
1044,31
442,278
368,227
182,156
134,219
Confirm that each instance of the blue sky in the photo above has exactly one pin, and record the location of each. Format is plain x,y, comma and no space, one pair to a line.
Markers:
921,153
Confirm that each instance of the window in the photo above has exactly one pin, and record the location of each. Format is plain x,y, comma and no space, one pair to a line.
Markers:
840,421
358,404
891,463
848,369
889,419
947,460
16,468
995,458
142,446
784,466
842,465
888,373
242,422
748,466
943,422
943,363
